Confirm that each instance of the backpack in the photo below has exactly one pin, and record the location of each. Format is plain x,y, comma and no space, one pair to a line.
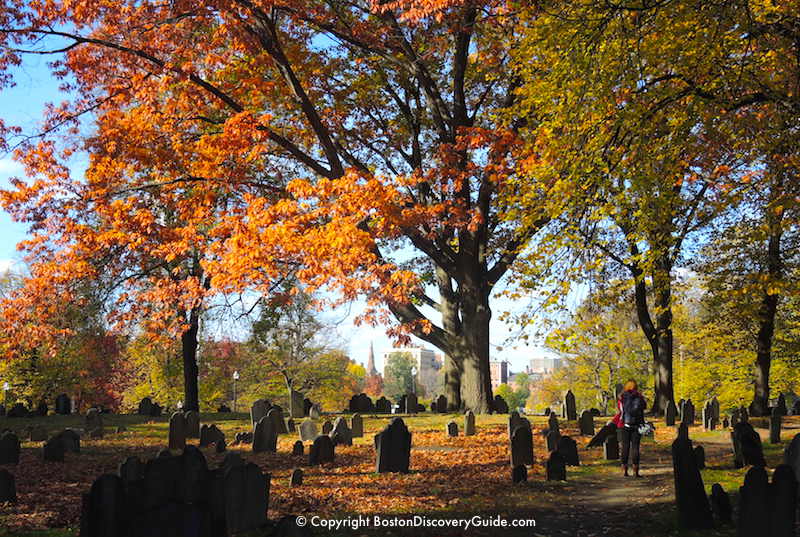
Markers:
632,408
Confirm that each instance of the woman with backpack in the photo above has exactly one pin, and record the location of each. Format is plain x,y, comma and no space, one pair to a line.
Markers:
630,417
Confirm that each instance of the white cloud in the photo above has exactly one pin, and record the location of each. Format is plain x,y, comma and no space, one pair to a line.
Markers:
6,265
9,167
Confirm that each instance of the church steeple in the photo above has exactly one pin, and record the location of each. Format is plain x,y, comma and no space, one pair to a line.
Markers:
371,371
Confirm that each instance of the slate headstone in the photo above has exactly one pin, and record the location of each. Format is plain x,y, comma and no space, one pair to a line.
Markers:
441,404
670,413
53,450
210,434
297,448
469,423
276,415
721,505
700,457
315,412
411,403
569,450
694,511
775,426
8,488
308,431
246,493
754,509
451,428
586,423
18,411
145,406
177,431
791,455
265,437
71,441
393,448
341,434
105,512
63,405
94,420
327,427
296,405
611,448
569,408
307,404
9,448
258,410
383,406
748,442
783,502
357,425
688,414
296,478
500,405
192,424
552,423
321,451
521,446
556,469
37,433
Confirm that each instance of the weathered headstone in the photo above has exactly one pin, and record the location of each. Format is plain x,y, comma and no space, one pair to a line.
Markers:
341,434
8,488
670,413
94,420
291,427
131,469
246,494
297,448
748,442
780,404
721,504
726,422
265,436
307,404
53,450
18,411
315,412
192,424
145,407
71,440
105,511
552,423
321,451
694,511
210,434
276,415
700,457
296,478
791,455
688,414
37,433
327,427
570,412
451,428
9,448
393,448
552,439
775,426
383,406
469,423
521,446
357,426
556,468
63,405
783,502
514,421
500,405
683,430
586,423
519,474
177,431
411,403
441,404
296,405
754,509
611,448
258,410
569,450
308,431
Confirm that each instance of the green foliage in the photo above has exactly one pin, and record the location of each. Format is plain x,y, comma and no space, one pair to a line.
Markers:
398,379
513,398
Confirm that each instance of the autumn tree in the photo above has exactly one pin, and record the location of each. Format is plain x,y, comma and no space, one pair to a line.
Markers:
398,377
382,120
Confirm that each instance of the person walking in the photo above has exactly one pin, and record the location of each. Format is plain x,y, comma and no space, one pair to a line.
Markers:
630,416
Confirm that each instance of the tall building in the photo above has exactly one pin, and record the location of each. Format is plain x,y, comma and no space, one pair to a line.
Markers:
371,371
426,363
498,370
544,366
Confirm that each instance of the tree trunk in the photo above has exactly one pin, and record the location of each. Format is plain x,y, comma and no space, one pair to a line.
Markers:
190,370
662,289
476,388
766,328
646,324
451,322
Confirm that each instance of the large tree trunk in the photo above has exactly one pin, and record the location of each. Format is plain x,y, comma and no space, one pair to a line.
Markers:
476,388
646,324
190,371
662,287
766,328
451,322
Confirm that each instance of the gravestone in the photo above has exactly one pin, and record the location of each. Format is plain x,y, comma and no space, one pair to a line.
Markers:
105,510
341,434
383,406
552,423
232,459
63,405
433,406
243,437
783,502
781,405
569,450
290,426
37,434
411,403
131,469
42,409
721,505
754,502
177,431
265,436
715,408
8,489
315,412
519,474
556,469
321,451
393,448
308,431
307,404
500,405
708,415
441,404
53,450
71,440
694,511
296,405
743,414
670,414
552,439
469,423
547,411
297,448
210,434
569,410
357,426
327,427
747,443
688,413
726,422
276,415
586,423
522,446
18,411
93,420
514,421
145,406
796,407
9,448
611,448
791,455
296,478
700,457
683,430
192,423
775,426
451,428
223,409
258,410
246,496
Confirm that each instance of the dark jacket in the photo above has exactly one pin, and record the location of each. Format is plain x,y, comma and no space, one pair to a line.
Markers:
620,419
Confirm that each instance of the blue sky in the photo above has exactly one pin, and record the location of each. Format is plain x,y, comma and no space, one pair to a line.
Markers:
22,105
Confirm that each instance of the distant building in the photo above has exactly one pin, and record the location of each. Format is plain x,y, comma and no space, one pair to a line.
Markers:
426,363
542,367
499,372
371,371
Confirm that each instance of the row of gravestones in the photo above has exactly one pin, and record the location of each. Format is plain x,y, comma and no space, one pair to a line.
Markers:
53,449
563,450
684,412
63,406
451,429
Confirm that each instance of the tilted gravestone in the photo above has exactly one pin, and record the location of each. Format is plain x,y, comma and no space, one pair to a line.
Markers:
296,478
721,505
341,434
297,449
210,434
747,446
308,431
519,474
556,469
552,439
8,488
276,415
192,424
469,423
694,511
783,502
321,451
53,450
670,413
451,429
296,405
63,405
393,448
9,448
265,437
71,440
357,426
775,426
586,423
246,491
611,448
521,446
315,412
177,431
383,406
500,406
258,410
754,503
688,413
570,412
700,457
441,404
569,450
327,427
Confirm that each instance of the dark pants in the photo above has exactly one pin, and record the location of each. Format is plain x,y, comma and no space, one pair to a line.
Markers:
630,438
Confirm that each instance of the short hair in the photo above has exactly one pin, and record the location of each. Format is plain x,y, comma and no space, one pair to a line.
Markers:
631,385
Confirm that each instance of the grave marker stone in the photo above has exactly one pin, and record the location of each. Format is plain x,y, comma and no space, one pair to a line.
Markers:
290,426
246,493
721,504
783,502
694,511
308,431
791,455
297,448
521,446
519,474
341,434
37,434
393,448
586,423
411,403
296,478
145,406
104,513
296,404
441,404
265,436
357,426
556,468
670,414
749,445
177,431
569,450
9,448
63,405
469,423
700,457
321,451
754,508
315,412
276,415
552,423
500,405
210,434
775,426
53,450
71,440
8,488
688,414
552,439
192,424
258,410
383,406
327,427
611,448
569,409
